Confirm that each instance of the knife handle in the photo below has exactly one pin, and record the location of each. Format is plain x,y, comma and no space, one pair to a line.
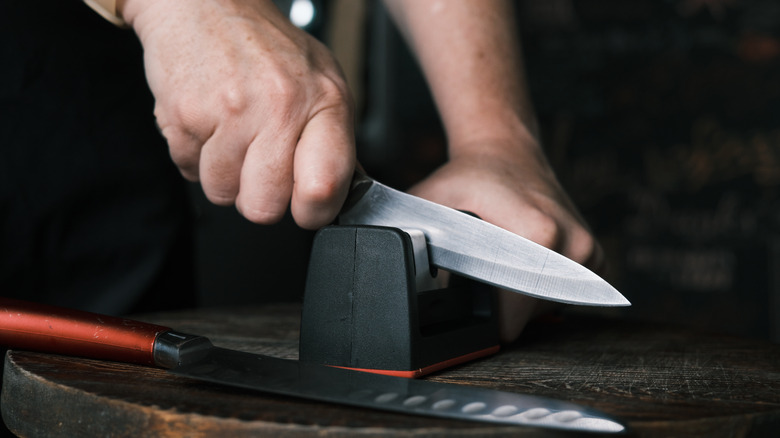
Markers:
357,188
39,327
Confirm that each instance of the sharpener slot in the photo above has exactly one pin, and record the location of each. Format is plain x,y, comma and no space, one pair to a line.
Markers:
424,274
461,305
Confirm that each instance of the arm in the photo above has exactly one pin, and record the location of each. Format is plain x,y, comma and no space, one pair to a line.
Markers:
470,54
252,107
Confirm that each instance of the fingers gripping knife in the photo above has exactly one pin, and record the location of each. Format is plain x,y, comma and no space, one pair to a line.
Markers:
372,304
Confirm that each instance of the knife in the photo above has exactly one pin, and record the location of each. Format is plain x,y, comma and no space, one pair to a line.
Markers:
473,248
38,327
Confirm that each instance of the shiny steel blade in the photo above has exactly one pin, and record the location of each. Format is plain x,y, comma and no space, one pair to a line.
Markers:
476,249
408,396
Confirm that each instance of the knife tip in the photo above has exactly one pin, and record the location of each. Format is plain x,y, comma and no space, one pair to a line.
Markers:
622,302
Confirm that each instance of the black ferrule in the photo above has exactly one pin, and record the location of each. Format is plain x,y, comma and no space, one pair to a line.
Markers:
172,349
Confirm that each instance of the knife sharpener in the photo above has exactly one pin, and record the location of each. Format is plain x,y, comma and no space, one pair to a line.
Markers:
371,303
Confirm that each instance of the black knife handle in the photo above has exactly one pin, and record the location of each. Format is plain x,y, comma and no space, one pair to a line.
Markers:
359,186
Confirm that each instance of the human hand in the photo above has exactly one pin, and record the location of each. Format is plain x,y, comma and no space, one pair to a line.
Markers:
516,191
252,107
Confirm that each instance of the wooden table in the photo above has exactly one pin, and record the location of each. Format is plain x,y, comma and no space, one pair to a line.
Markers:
662,381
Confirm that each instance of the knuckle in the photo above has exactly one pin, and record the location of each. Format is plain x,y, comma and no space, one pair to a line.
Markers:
285,91
263,215
220,184
184,150
232,98
181,109
545,231
335,92
335,86
583,246
219,198
318,191
183,118
189,173
161,116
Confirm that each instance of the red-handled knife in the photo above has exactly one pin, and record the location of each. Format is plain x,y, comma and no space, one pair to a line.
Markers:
37,327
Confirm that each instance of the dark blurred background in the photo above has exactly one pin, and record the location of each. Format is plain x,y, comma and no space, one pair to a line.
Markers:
661,118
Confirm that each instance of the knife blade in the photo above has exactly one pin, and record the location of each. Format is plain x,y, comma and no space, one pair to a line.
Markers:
471,247
38,327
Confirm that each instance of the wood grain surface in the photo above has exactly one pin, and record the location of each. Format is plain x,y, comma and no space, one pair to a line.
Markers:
662,381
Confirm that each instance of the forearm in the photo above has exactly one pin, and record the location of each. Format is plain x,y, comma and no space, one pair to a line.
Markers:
470,54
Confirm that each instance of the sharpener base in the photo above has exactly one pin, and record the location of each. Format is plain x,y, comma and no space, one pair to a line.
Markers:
362,308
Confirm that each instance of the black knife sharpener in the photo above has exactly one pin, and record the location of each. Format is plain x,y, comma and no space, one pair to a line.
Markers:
371,304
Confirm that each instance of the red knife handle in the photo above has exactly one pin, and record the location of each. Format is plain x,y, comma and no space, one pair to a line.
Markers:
39,327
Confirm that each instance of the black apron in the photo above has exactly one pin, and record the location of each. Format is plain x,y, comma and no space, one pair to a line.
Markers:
93,213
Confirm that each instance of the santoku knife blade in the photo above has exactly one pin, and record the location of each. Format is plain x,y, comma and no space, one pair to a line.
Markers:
477,249
39,327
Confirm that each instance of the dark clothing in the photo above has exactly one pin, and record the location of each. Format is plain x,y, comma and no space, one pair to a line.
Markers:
93,213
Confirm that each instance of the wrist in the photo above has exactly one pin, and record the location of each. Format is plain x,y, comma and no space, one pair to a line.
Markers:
506,139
